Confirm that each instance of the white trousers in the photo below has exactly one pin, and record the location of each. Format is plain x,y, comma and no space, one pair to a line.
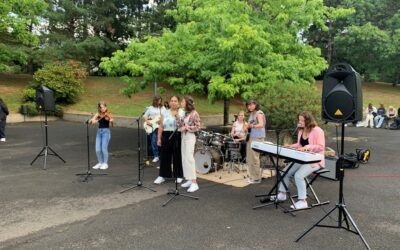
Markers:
187,149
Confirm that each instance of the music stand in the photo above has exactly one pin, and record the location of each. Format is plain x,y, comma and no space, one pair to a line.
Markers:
46,148
88,174
140,182
344,215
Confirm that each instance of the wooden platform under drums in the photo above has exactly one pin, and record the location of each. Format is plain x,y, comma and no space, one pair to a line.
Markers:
237,177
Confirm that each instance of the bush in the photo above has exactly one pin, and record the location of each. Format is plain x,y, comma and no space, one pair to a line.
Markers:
29,94
65,79
32,111
282,102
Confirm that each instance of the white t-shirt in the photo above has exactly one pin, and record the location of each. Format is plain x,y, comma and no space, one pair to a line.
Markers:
153,112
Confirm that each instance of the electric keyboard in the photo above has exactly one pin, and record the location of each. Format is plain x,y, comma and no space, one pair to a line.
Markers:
286,153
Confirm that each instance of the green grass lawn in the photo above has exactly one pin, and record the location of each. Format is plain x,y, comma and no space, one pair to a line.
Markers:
108,89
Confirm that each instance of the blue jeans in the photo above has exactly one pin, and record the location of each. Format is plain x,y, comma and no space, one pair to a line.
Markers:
379,120
154,146
102,139
299,172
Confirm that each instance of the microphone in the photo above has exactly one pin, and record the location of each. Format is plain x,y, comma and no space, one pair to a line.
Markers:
296,129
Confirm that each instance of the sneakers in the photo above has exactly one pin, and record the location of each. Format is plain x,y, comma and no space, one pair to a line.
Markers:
97,166
159,180
179,180
156,159
104,166
301,204
3,139
186,184
193,188
281,197
251,181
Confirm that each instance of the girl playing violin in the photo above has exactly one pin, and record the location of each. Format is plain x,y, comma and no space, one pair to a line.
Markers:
103,118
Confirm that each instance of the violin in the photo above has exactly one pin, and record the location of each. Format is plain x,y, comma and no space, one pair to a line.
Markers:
106,116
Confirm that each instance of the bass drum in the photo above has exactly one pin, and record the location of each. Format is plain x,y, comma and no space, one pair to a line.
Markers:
208,159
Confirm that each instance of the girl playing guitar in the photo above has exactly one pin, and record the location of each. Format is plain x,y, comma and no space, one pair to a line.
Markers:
152,119
103,118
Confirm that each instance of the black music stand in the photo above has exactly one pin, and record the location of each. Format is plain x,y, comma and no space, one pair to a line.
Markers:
46,148
344,215
140,165
88,173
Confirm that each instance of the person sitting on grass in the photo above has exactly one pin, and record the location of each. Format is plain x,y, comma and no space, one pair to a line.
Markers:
391,116
380,118
370,114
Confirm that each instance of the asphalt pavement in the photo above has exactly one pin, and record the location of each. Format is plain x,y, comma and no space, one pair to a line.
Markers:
54,209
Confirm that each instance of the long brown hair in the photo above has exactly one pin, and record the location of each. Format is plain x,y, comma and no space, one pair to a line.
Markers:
189,104
309,120
99,106
156,101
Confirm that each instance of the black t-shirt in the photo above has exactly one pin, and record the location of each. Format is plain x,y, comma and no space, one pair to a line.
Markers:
103,123
303,142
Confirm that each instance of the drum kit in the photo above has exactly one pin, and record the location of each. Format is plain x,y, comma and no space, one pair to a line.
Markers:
215,151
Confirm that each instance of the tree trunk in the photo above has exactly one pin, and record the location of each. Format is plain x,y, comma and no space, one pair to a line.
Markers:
226,111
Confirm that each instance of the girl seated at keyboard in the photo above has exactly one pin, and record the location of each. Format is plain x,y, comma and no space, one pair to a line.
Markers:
310,138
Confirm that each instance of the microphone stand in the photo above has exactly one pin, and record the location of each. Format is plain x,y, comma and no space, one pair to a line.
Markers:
139,164
175,192
88,174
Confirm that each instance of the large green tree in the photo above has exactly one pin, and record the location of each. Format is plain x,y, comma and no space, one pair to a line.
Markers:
87,30
227,48
18,19
367,38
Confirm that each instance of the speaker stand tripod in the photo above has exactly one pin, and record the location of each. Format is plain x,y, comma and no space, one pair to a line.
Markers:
88,173
46,148
344,215
140,165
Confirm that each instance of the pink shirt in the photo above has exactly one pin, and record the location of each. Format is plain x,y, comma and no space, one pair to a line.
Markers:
316,140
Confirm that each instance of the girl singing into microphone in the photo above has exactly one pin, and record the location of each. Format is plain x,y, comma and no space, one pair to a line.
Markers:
103,118
169,139
310,138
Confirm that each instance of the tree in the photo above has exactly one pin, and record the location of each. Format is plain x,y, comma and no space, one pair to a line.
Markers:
87,30
227,48
17,22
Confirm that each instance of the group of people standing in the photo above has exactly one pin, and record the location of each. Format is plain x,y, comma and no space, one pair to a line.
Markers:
176,138
173,142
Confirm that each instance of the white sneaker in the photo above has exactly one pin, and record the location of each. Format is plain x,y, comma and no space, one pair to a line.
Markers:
193,188
186,184
159,180
97,166
3,139
299,205
104,166
179,180
156,159
281,197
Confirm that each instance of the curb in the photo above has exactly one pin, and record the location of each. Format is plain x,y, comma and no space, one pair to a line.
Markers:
120,121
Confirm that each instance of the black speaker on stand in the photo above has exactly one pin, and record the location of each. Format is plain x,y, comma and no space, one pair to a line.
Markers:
342,94
45,103
341,103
